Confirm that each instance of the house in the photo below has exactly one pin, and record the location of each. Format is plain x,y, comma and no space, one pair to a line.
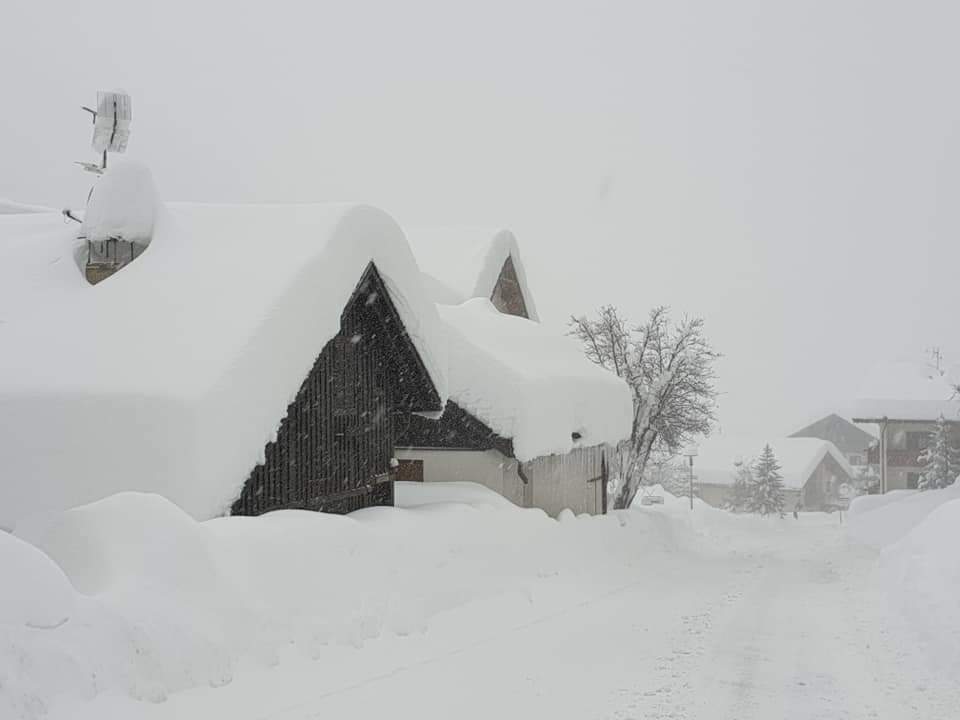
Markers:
814,470
251,358
849,439
528,415
904,400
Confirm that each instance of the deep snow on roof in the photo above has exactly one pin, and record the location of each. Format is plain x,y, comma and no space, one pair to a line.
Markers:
171,375
10,207
841,432
531,384
464,263
798,458
909,391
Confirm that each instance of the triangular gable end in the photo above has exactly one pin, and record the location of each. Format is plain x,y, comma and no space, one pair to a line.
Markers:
507,295
417,390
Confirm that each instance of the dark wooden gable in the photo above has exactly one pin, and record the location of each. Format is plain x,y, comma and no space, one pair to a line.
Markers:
334,446
456,429
507,296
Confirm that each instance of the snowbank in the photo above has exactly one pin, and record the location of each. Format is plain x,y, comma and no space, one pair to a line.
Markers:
908,391
123,204
798,458
170,603
881,520
463,263
173,374
35,592
531,384
918,534
134,538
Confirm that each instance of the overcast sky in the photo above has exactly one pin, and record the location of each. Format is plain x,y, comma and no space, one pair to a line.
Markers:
787,170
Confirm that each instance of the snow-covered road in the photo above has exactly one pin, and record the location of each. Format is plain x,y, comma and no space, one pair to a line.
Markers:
787,626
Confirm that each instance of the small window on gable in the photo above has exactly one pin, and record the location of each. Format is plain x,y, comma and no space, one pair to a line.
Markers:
507,295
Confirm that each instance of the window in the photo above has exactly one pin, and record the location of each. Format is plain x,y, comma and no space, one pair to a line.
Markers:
913,479
917,439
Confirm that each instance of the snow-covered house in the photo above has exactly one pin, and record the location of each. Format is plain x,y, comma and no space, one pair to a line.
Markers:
254,357
460,264
904,400
814,470
849,439
528,416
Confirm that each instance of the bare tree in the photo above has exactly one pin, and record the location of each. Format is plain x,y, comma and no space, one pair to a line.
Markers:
670,369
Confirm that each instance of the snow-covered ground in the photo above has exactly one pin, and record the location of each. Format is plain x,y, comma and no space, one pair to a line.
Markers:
457,604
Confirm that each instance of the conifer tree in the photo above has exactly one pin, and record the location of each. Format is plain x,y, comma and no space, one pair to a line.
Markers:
940,459
766,491
738,499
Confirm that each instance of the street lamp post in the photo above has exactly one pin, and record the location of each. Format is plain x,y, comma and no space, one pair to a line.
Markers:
690,454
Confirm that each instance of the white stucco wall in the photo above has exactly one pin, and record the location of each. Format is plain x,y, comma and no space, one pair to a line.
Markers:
555,481
486,467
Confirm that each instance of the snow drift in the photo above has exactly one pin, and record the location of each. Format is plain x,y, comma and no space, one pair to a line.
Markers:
918,534
164,603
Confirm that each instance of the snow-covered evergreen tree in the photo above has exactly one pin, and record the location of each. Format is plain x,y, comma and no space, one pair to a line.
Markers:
766,491
867,481
738,499
940,459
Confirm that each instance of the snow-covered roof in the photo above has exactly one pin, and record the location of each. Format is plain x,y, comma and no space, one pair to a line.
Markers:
10,207
463,263
909,391
531,384
171,375
848,437
798,458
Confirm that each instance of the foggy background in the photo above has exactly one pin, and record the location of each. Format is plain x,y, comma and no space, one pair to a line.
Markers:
787,170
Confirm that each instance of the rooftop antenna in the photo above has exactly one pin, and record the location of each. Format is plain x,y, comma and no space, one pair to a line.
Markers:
111,131
111,126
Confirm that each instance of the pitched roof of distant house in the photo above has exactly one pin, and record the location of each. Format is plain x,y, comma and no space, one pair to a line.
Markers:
841,432
464,263
909,391
798,458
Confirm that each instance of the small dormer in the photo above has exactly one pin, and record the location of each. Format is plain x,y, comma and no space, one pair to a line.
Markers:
507,295
119,219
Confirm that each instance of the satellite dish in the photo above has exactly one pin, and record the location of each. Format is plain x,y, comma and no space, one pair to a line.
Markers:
111,125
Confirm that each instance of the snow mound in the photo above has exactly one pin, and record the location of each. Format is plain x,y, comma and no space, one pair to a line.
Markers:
908,391
881,520
922,574
531,384
172,376
123,205
176,604
416,494
463,263
36,593
128,538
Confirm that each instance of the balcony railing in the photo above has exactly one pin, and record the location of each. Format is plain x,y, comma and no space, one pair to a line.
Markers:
895,458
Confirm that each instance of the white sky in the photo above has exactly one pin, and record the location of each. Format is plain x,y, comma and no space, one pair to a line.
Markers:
787,170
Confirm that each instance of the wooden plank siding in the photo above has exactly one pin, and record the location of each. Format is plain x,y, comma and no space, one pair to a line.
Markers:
334,446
